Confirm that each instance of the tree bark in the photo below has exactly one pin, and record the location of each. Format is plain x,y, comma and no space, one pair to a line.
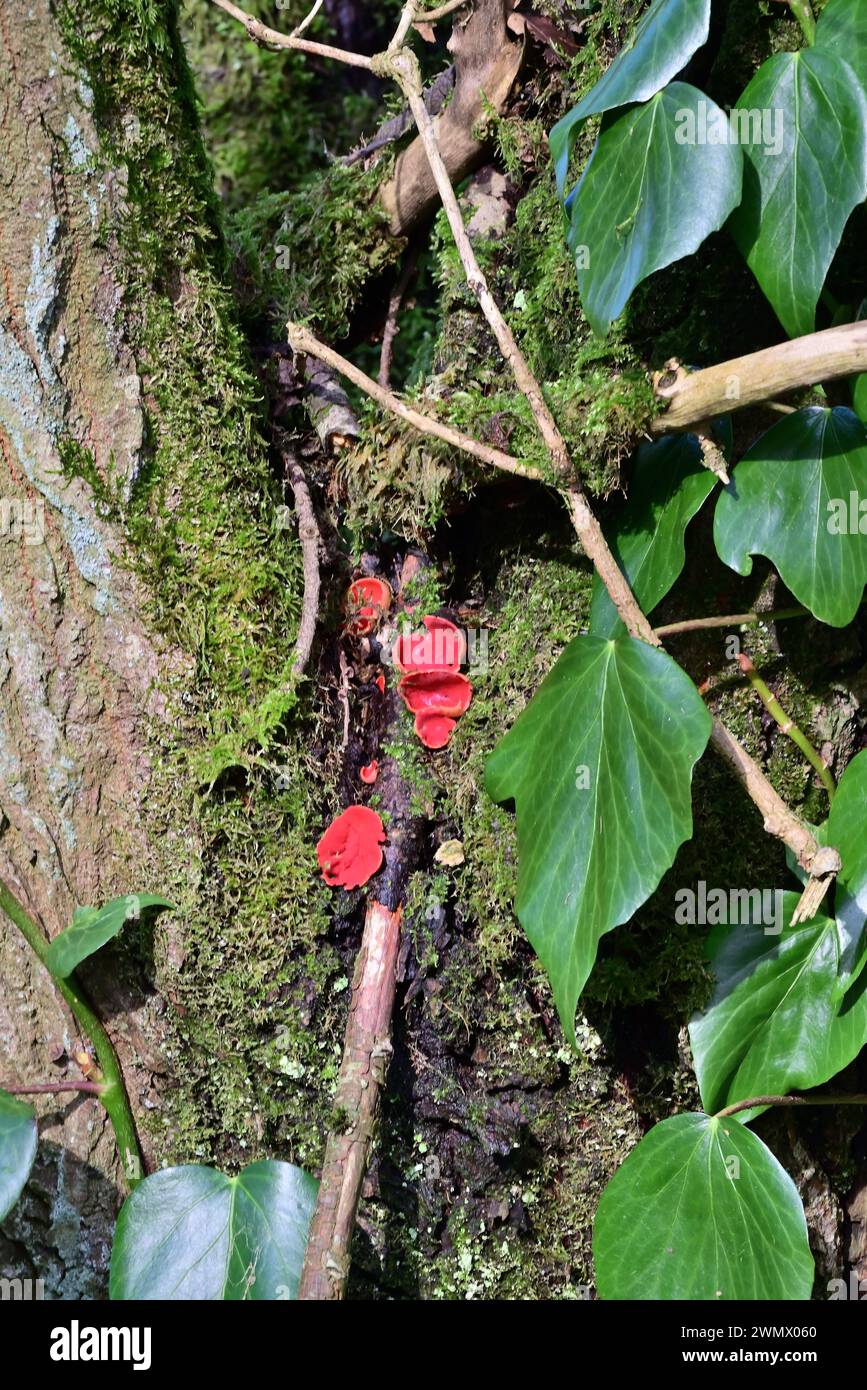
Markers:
78,670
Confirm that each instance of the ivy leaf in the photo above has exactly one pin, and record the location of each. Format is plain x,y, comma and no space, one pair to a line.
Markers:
17,1149
668,487
802,183
842,31
193,1233
701,1210
599,766
772,1024
92,927
846,830
663,43
791,500
652,192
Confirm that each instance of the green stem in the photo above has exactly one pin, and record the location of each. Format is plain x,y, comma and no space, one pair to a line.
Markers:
113,1092
788,1100
803,12
788,726
772,615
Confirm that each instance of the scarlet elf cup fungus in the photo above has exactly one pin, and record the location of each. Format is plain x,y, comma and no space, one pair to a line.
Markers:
369,600
350,851
432,687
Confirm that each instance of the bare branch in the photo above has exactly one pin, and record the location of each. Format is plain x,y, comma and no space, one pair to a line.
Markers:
303,341
772,615
389,332
261,33
307,21
366,1055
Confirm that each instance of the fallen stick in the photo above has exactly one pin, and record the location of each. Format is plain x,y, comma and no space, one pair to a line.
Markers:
363,1070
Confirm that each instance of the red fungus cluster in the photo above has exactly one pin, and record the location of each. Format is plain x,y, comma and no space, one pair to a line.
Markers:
431,685
350,851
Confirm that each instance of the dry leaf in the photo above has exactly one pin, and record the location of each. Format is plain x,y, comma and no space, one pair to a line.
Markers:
450,853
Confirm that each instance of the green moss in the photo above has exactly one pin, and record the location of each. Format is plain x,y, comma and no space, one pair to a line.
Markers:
269,117
245,962
308,254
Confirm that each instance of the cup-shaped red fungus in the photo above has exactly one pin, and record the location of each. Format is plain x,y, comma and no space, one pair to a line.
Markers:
441,647
369,773
368,601
434,730
436,698
350,851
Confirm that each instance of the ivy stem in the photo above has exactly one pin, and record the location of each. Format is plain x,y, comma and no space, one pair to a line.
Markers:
95,1088
803,12
788,1100
112,1092
772,615
788,725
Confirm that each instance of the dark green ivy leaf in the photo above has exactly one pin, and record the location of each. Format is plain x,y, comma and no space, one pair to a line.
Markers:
846,830
17,1148
653,191
774,1022
599,766
842,31
668,487
668,35
701,1210
193,1233
803,176
791,499
92,927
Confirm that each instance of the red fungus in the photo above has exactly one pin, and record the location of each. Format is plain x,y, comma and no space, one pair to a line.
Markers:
368,601
441,647
350,852
436,698
434,730
380,683
369,773
435,692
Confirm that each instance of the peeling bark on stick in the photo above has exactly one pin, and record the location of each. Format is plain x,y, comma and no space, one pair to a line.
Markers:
356,1102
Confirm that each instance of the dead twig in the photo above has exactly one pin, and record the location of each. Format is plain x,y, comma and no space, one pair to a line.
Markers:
301,340
311,544
691,397
262,34
389,332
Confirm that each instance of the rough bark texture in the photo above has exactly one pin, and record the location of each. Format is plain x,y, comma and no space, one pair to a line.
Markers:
77,668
